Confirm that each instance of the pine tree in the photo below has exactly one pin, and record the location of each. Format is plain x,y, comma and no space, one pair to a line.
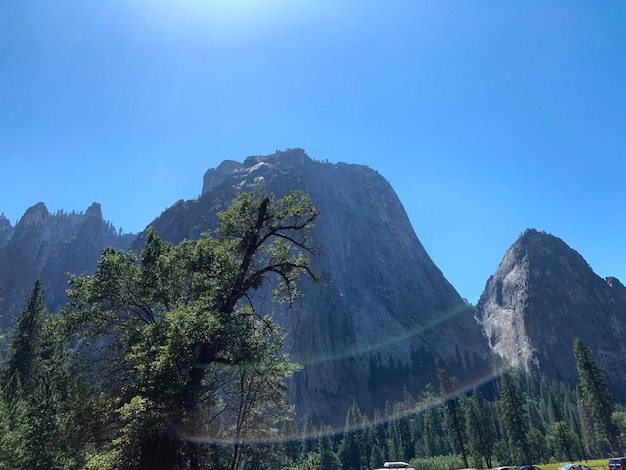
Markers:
38,394
377,457
596,396
308,443
351,449
564,435
328,456
28,346
453,416
399,436
514,420
480,428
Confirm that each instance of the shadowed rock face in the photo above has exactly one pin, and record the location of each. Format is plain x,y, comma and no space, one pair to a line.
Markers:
6,230
47,246
380,295
542,296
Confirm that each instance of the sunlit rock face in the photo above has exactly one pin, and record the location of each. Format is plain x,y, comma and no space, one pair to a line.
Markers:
47,246
381,317
542,296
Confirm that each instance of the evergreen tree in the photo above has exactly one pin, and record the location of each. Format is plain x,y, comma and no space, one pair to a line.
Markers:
308,444
453,416
399,437
480,428
580,448
291,442
38,395
564,436
352,452
377,457
596,397
327,455
537,445
434,436
28,346
515,420
377,434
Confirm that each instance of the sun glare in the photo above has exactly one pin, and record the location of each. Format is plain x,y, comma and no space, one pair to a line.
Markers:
223,13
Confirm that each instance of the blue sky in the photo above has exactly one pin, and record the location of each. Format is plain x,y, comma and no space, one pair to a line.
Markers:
486,117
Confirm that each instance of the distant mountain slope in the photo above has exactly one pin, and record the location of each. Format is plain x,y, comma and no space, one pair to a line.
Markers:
47,246
542,296
383,314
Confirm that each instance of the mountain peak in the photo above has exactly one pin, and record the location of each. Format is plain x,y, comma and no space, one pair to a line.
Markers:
542,296
34,214
254,169
6,230
215,176
94,210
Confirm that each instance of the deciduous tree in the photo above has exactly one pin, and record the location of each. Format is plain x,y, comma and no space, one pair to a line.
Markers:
181,349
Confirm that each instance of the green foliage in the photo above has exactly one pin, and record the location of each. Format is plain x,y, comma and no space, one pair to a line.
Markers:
480,429
439,462
328,459
352,449
454,419
596,399
515,420
178,345
28,345
37,395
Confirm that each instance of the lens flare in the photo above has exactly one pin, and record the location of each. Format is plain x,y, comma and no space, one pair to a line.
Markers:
225,436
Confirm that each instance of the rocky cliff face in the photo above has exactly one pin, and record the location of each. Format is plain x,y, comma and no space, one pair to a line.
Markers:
6,230
383,315
542,296
47,246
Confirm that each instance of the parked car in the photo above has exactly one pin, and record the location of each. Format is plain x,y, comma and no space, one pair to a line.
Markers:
395,465
527,467
617,463
574,466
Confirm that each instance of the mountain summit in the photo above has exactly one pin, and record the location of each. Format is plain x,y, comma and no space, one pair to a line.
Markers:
542,296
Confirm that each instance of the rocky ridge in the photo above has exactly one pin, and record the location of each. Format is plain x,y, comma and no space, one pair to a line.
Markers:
47,246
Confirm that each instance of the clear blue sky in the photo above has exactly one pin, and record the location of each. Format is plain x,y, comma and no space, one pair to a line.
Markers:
487,117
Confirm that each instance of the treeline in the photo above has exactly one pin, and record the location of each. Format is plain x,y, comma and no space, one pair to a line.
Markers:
533,420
